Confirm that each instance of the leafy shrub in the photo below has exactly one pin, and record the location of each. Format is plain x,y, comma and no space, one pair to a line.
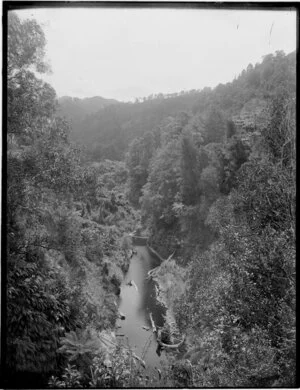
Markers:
38,312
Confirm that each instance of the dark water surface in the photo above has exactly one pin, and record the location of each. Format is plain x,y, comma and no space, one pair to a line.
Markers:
136,306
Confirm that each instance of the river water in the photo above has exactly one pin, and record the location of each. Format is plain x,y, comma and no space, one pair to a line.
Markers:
136,305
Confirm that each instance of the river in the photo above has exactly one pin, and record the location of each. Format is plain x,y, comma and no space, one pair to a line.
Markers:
136,304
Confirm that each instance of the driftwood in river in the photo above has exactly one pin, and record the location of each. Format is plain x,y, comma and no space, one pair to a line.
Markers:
154,270
170,257
158,334
132,283
151,272
152,324
139,359
159,373
171,346
122,315
155,255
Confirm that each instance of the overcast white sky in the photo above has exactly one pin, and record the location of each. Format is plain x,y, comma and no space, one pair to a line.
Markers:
127,53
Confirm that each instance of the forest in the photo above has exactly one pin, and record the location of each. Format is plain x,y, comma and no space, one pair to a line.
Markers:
208,176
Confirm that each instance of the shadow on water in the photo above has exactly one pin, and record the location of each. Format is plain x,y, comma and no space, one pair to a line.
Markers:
137,304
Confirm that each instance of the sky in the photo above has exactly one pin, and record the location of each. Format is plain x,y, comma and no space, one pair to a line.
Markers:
128,53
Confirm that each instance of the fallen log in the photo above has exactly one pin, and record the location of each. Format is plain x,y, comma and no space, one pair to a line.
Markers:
152,324
158,333
139,359
155,254
153,270
170,257
150,273
171,346
159,373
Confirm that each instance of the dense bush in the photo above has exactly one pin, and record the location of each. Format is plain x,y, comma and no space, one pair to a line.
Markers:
65,221
240,303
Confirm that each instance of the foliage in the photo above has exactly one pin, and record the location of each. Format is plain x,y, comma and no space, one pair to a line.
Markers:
64,224
70,378
118,367
240,303
37,314
139,156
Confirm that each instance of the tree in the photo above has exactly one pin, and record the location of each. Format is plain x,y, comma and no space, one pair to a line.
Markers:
162,187
141,150
27,96
231,129
240,301
190,191
214,126
279,135
40,179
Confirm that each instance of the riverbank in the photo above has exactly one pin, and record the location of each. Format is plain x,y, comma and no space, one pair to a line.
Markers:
169,285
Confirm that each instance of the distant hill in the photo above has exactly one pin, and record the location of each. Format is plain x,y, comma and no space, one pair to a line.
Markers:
75,109
106,127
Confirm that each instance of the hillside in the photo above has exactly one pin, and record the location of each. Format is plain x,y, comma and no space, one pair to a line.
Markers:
217,191
108,132
75,109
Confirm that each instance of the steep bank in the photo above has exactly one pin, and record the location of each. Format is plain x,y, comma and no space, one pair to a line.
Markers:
169,279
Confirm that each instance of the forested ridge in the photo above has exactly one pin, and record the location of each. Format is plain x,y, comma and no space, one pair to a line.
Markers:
208,176
107,131
75,110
